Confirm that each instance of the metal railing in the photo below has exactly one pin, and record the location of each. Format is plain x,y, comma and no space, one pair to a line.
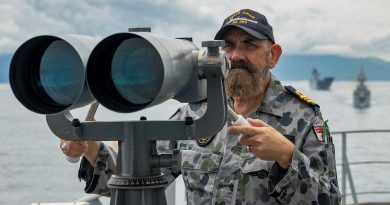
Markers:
345,167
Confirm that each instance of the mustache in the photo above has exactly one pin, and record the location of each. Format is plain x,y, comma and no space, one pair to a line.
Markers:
243,65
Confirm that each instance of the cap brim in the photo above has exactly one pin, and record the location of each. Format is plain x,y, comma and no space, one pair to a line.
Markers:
227,28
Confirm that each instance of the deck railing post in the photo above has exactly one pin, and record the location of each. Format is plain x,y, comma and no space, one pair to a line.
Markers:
343,167
351,184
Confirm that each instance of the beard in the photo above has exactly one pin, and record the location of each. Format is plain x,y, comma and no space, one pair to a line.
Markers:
245,80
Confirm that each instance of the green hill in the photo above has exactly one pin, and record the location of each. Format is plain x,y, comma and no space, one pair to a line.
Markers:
298,67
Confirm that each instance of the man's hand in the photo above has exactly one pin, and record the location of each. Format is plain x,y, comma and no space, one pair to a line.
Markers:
265,142
74,148
78,148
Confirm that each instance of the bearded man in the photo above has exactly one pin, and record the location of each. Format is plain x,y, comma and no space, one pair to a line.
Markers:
286,157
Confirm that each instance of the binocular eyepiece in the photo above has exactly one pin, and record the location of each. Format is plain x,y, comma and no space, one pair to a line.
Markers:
124,72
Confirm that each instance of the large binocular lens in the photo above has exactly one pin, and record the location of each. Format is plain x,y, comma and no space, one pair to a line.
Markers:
47,73
136,71
61,73
128,72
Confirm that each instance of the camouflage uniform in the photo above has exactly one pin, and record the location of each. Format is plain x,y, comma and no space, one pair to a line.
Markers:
224,173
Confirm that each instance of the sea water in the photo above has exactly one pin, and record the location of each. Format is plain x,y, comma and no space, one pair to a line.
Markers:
33,168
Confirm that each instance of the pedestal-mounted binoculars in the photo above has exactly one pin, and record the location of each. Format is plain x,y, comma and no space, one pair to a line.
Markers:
125,72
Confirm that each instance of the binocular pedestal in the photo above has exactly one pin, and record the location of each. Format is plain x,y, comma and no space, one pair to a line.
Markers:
140,181
132,190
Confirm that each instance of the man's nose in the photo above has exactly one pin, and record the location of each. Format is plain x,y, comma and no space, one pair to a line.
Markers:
236,54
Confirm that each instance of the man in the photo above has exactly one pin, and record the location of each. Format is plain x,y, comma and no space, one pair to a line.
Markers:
286,157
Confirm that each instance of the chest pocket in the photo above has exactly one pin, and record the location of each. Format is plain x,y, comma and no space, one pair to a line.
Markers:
199,171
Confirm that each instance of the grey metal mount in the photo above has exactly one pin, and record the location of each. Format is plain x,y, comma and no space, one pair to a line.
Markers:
140,29
213,44
138,179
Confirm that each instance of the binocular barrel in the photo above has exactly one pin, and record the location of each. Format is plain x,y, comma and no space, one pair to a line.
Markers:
124,72
128,72
47,73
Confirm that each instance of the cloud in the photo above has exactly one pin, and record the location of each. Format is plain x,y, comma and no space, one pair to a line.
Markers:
351,27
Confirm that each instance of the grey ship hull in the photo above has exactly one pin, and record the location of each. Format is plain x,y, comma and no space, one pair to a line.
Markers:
322,84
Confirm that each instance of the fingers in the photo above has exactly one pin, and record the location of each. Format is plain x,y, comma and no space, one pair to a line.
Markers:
246,134
243,130
248,130
250,135
73,148
248,140
77,146
256,122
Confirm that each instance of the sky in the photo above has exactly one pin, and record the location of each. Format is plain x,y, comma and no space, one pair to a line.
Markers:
353,28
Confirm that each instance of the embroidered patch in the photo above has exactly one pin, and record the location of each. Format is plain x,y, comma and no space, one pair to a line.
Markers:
322,132
319,131
204,140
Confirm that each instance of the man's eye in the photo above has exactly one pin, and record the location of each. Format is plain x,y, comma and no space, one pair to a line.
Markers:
227,46
249,44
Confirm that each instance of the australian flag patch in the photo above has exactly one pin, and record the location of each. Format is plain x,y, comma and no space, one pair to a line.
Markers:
322,132
319,131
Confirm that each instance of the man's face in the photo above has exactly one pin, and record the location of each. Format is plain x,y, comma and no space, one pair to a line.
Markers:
249,58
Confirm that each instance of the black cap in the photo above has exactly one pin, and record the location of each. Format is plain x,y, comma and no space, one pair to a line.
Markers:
250,21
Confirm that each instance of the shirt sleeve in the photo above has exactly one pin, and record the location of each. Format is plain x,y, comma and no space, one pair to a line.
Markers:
96,176
312,172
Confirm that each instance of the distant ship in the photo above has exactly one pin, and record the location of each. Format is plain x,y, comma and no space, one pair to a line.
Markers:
319,84
362,95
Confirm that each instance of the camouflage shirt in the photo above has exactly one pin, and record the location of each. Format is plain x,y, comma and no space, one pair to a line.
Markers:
223,172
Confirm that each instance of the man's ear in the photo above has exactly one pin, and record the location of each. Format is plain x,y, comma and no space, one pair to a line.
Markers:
276,52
